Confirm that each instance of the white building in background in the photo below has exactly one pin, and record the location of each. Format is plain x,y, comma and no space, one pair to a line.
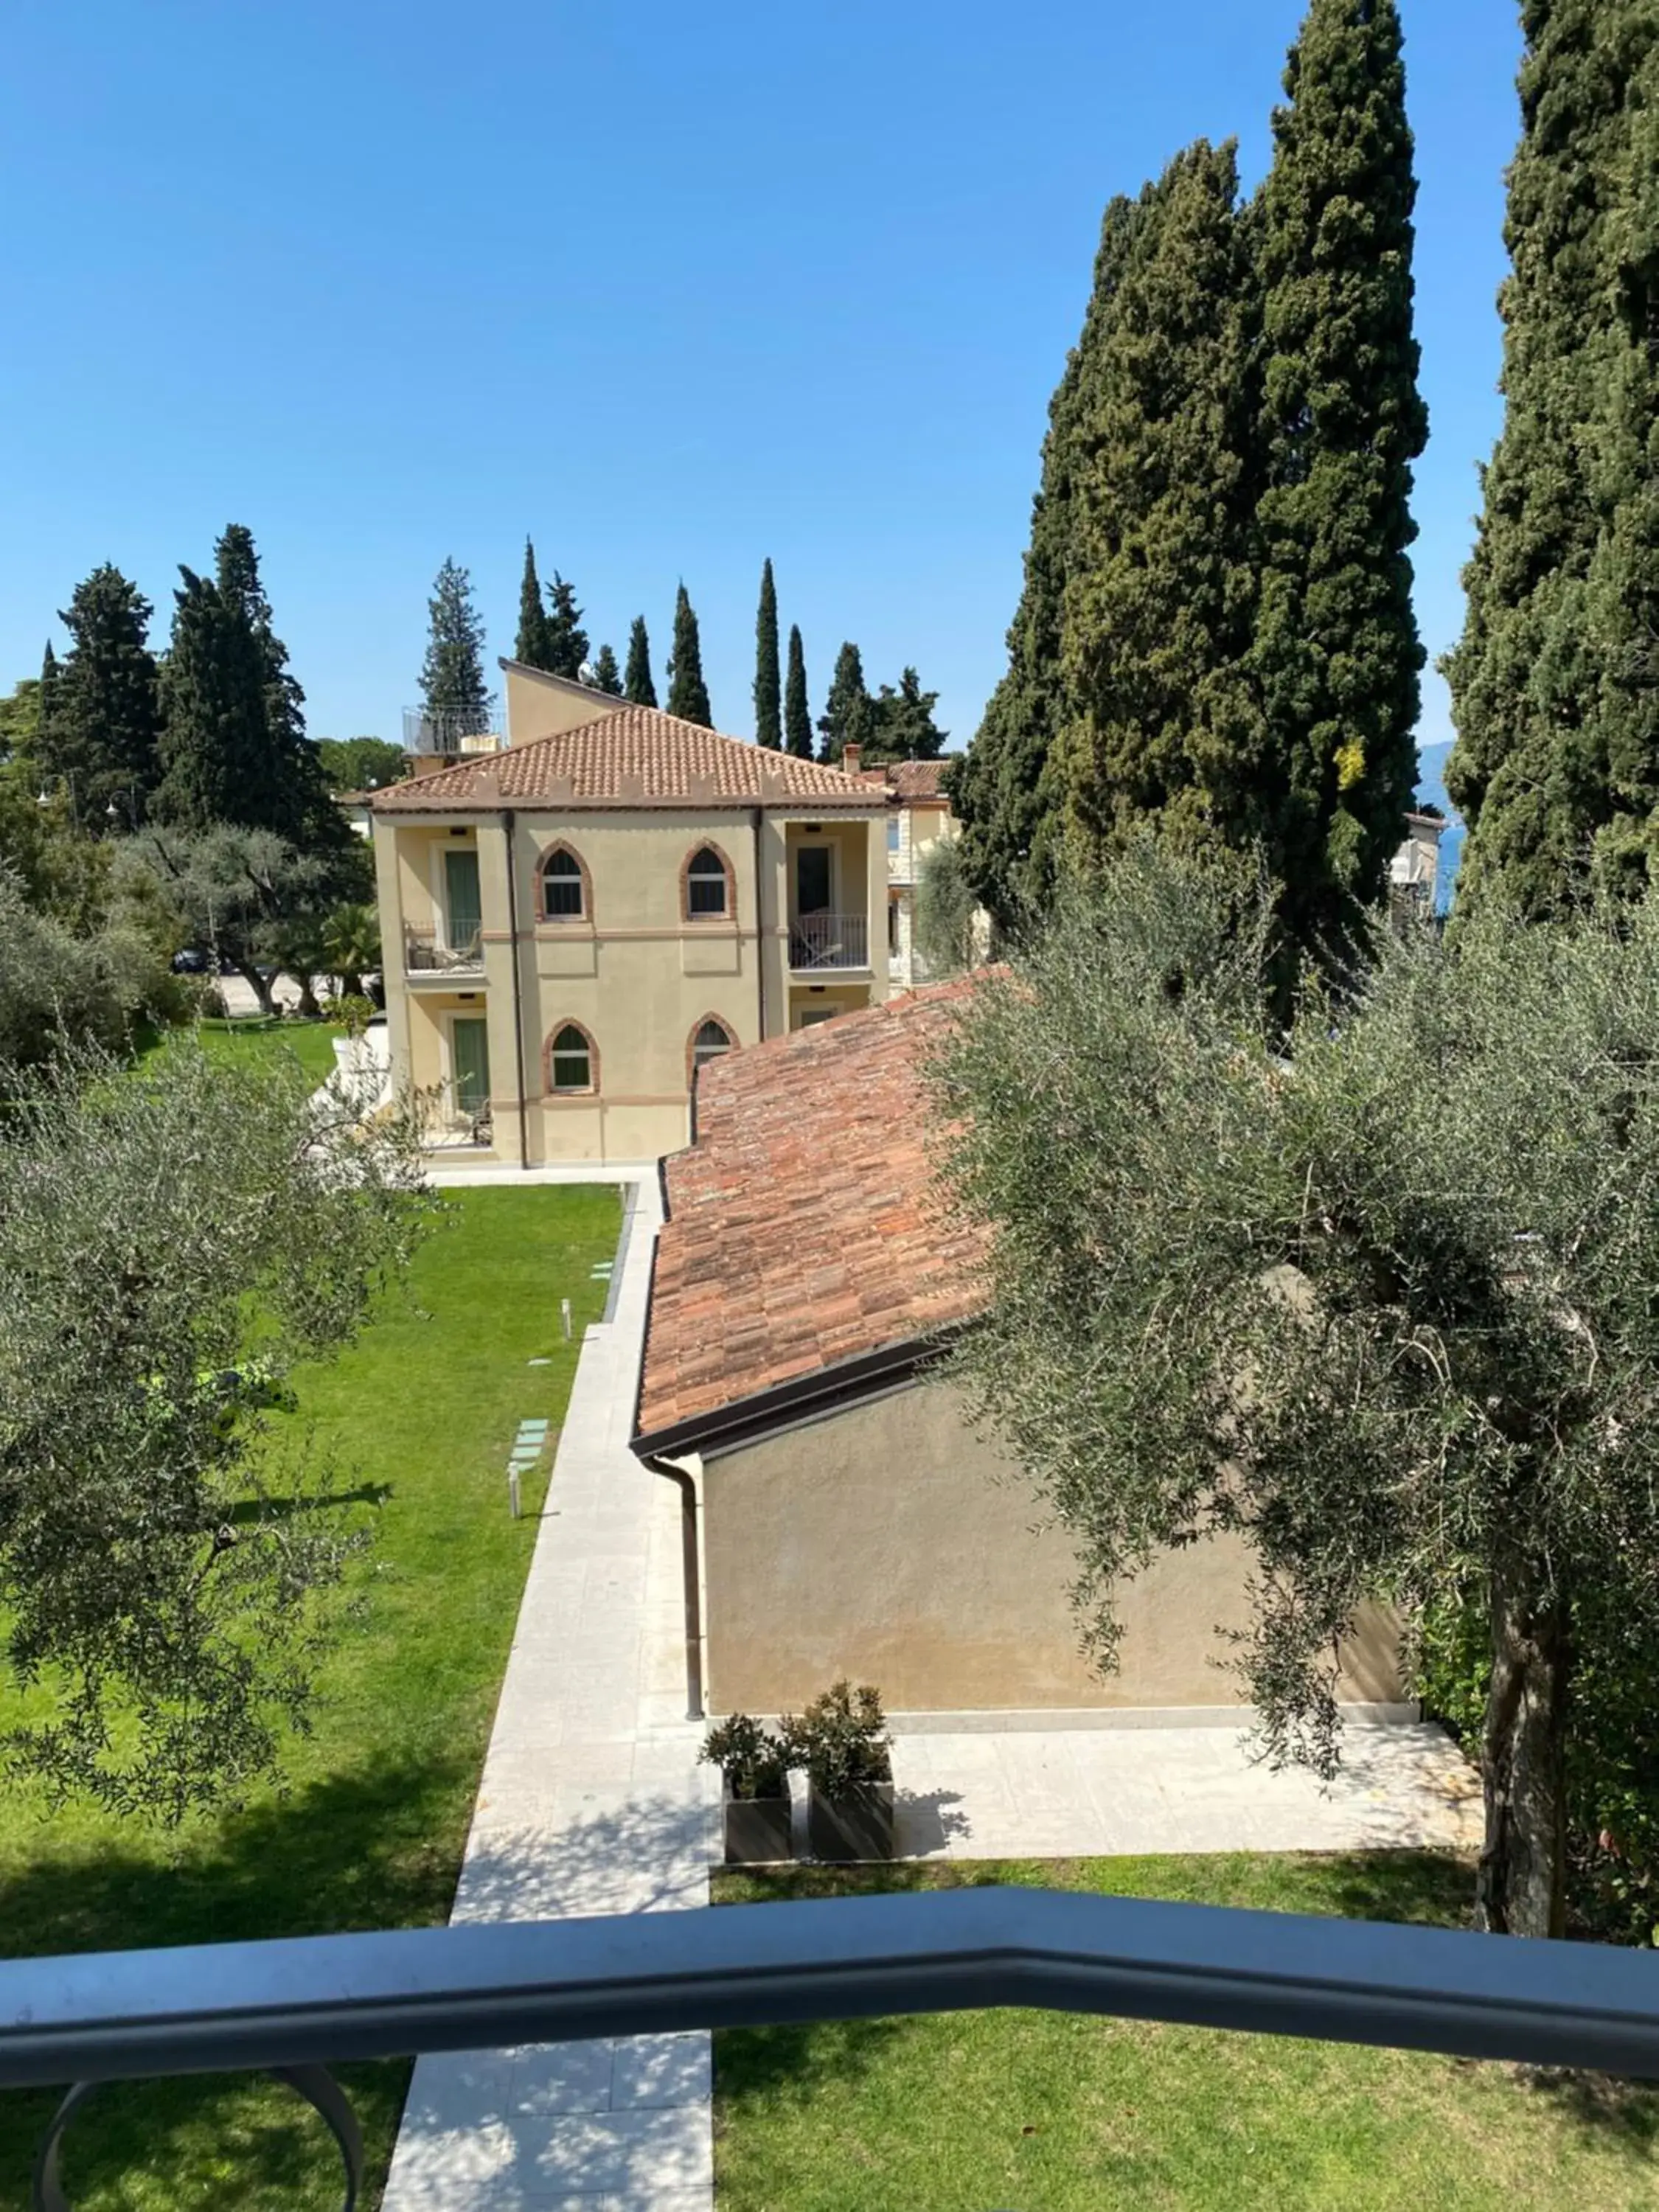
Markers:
1414,870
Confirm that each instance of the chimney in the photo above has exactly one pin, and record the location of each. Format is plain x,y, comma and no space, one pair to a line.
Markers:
851,753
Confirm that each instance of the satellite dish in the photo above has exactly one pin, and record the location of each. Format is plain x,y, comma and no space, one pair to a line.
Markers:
586,673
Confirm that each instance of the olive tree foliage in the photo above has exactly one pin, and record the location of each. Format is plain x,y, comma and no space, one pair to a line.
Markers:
945,910
172,1239
59,988
1381,1294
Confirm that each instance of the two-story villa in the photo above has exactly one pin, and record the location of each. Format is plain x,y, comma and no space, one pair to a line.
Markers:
577,922
918,815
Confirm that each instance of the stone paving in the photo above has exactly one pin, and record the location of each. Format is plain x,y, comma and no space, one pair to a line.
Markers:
591,1801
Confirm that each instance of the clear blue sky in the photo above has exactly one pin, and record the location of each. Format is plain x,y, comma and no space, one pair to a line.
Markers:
671,288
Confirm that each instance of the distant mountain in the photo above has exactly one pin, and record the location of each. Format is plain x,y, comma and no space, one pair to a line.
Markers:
1432,791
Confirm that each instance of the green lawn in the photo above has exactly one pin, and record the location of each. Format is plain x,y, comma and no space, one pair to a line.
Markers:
1056,2113
252,1039
421,1410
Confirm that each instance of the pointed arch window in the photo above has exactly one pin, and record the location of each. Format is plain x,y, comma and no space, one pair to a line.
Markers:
573,1059
709,1040
565,887
707,885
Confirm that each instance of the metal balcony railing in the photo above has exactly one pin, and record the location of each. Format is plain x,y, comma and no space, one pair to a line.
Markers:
829,940
296,2005
426,953
450,729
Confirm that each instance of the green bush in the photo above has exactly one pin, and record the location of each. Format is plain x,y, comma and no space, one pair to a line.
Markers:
841,1740
752,1761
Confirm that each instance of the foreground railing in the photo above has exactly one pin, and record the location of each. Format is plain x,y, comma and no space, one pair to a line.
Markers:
829,940
291,2006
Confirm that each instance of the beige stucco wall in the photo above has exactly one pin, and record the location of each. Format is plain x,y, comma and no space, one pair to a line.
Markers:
889,1543
538,707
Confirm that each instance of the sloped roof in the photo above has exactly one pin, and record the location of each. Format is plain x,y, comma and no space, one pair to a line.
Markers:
637,757
806,1226
912,782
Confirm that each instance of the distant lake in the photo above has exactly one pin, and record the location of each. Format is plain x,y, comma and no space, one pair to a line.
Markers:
1432,791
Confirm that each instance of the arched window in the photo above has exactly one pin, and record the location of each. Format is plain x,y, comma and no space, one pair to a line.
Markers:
573,1064
708,1040
707,885
564,886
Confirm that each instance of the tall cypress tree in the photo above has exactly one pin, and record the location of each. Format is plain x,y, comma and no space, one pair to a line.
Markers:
638,684
849,717
291,793
1555,681
566,639
452,683
607,677
1156,605
1336,656
796,714
46,703
688,694
531,646
102,735
768,726
1004,790
213,698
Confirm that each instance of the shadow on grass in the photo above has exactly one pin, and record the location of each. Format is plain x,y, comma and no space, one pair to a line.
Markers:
248,1512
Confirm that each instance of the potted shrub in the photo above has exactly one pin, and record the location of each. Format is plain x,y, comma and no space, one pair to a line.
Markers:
755,1777
841,1741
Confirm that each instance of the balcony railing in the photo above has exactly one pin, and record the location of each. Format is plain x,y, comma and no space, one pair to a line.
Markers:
426,953
294,2006
450,729
829,940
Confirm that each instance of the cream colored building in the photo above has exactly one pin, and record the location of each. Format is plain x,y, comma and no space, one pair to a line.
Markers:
918,814
841,1517
578,916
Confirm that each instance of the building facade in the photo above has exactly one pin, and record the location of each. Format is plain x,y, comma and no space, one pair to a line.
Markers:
578,919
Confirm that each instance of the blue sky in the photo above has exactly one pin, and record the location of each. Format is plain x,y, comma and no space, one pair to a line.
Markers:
671,288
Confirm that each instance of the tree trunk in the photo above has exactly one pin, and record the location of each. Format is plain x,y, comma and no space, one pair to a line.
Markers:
262,986
1520,1887
308,1009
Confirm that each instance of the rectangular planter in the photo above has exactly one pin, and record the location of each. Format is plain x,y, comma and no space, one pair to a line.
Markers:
756,1830
859,1825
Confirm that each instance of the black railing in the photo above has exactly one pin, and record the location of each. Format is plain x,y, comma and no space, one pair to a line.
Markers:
293,2006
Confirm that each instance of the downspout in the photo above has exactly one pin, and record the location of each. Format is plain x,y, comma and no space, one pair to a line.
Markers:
518,1000
760,941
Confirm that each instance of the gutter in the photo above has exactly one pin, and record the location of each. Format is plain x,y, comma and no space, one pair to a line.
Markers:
685,1483
518,1003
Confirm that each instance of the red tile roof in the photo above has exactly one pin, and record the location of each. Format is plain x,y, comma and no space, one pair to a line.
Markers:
912,781
805,1224
633,757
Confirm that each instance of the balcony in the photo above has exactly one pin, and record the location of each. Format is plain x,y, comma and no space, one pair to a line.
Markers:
426,954
821,941
451,731
296,2007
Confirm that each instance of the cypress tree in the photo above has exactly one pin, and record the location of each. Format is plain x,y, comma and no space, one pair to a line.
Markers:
47,702
291,793
768,727
849,716
796,714
1004,791
101,738
452,676
688,694
607,677
1155,603
566,639
531,646
1336,656
213,698
637,682
1554,683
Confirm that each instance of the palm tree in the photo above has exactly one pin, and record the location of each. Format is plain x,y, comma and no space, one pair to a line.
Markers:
351,941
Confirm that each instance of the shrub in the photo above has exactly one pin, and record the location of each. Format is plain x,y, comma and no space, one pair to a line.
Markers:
841,1740
752,1761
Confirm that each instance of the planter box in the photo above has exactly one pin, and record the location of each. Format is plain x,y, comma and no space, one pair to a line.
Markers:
756,1830
859,1825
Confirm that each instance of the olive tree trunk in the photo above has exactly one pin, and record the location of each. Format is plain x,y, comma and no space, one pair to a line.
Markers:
1521,1887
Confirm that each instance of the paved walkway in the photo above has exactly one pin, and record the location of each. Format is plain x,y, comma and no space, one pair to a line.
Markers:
591,1801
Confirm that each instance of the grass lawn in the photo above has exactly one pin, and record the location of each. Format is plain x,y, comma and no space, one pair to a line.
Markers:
252,1039
1056,2113
422,1411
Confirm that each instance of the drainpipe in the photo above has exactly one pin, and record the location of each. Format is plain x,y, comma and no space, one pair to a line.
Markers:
691,1574
518,1004
760,942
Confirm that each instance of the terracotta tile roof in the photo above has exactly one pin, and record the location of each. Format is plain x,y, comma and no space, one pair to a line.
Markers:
805,1225
910,780
633,757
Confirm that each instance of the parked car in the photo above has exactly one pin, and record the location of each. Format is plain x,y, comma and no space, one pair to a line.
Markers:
192,961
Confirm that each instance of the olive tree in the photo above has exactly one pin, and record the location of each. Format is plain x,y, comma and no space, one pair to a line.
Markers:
1381,1293
173,1238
